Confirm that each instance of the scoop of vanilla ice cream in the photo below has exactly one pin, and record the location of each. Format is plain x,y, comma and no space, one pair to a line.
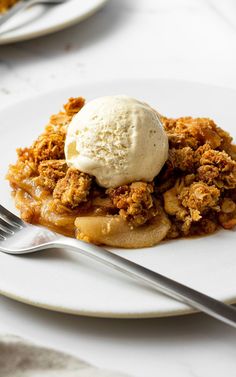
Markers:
118,140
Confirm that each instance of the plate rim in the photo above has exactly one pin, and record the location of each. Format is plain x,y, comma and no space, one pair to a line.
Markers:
109,81
182,310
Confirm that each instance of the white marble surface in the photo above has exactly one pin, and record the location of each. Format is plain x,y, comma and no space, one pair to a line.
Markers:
182,39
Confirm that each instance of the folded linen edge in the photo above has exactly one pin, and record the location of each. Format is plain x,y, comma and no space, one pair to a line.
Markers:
20,358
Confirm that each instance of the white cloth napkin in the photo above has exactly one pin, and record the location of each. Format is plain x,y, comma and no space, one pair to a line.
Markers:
20,358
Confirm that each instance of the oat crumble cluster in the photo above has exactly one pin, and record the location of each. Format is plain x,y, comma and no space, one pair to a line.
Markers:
196,188
198,182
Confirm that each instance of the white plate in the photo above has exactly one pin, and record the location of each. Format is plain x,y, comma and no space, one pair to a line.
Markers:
43,19
67,282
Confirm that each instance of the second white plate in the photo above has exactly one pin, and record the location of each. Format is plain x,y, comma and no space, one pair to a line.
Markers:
67,282
41,19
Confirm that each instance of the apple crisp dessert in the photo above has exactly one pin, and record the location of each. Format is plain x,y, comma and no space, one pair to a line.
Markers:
6,4
194,193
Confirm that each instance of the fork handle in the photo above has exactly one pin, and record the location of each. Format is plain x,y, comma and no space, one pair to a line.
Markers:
197,300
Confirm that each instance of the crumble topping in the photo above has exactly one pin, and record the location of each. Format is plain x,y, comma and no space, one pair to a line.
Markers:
182,159
135,202
73,189
218,168
194,132
200,197
49,146
196,188
51,171
199,173
74,105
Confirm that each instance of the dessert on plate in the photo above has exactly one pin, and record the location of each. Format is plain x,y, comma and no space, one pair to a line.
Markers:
113,171
6,4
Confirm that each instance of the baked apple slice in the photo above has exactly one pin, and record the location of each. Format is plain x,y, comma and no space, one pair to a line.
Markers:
115,231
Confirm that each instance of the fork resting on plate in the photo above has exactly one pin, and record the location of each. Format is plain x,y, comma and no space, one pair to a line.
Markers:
18,237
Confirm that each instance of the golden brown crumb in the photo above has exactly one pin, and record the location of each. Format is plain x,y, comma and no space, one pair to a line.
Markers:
134,201
188,204
199,197
51,171
49,146
182,159
25,154
199,152
22,170
193,132
74,105
218,168
211,166
73,188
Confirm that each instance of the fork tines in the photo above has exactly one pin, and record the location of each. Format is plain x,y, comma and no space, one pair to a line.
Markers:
9,223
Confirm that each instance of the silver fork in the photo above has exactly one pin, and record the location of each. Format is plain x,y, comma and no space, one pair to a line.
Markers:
23,4
18,237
